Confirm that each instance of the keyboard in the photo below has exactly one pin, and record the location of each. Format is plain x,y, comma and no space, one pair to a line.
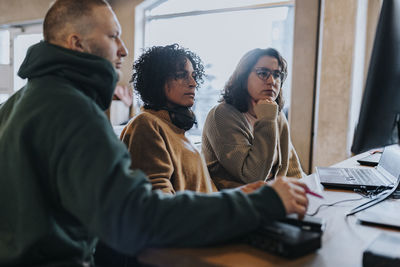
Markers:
362,176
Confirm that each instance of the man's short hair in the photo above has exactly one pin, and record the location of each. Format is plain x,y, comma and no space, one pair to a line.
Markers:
64,13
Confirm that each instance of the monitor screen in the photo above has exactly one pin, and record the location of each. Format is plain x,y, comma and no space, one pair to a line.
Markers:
380,108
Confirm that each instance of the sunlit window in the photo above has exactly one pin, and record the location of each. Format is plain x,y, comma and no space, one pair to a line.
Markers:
4,47
3,97
220,32
183,6
21,44
14,43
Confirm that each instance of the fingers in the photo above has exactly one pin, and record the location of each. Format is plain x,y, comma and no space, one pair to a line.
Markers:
298,188
262,101
248,188
299,197
255,185
292,193
299,209
298,183
265,101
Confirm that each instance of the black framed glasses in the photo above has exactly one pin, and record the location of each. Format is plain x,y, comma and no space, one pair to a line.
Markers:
264,73
184,75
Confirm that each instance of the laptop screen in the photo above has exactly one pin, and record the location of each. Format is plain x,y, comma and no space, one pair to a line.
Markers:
390,160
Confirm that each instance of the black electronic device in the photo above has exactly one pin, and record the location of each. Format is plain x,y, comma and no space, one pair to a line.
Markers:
308,223
383,251
370,160
289,237
378,122
382,176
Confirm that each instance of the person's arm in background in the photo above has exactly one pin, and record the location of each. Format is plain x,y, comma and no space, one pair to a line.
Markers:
95,184
292,162
230,138
149,153
294,169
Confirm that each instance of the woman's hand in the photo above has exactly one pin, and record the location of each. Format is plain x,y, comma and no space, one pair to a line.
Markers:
249,188
254,103
292,193
261,102
265,101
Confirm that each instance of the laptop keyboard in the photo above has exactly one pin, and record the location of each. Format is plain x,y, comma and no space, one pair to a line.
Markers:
362,176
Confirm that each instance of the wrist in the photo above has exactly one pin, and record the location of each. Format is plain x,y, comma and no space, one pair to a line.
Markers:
268,203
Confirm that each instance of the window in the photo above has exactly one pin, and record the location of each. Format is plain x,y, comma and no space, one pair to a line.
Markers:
4,47
14,43
220,32
4,65
21,44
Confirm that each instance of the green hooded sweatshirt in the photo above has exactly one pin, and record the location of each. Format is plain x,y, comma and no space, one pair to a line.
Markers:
65,179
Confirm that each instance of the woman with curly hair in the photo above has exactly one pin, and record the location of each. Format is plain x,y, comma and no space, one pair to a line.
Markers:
166,78
246,137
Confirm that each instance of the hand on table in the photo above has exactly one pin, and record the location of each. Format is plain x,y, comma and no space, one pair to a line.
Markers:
292,193
249,188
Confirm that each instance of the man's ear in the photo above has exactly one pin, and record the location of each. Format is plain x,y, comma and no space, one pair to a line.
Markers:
74,42
167,87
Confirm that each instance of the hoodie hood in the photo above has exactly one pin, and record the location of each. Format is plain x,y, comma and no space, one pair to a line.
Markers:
93,75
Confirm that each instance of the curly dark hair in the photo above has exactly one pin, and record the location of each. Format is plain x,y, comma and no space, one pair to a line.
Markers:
235,91
156,66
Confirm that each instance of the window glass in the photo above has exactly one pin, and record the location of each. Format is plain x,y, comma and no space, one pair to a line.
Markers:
179,6
3,97
4,47
21,44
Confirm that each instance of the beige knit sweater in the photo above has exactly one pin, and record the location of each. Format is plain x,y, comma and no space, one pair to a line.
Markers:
161,150
236,153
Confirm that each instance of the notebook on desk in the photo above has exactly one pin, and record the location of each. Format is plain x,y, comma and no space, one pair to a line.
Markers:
385,174
383,214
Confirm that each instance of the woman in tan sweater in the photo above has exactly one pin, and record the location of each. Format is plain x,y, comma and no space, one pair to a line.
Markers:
166,78
246,137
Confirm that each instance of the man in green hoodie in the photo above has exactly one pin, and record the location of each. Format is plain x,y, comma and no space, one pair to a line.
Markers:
65,180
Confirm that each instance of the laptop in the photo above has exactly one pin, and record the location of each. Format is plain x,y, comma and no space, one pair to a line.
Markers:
383,175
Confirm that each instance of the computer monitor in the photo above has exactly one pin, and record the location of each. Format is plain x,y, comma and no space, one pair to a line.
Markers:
378,123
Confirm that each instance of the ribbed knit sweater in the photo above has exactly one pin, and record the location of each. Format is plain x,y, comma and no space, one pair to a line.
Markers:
165,154
236,153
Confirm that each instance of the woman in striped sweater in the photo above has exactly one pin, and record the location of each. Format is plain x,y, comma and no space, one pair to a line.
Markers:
246,137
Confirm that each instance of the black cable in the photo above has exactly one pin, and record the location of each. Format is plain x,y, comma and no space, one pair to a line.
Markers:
379,192
379,198
332,204
370,193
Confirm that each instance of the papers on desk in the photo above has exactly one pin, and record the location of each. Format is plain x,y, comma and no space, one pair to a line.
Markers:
385,213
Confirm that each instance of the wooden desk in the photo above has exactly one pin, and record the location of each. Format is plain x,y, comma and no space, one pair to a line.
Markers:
343,241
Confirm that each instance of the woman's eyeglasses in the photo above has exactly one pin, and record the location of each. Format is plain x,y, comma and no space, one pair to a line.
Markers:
184,75
264,73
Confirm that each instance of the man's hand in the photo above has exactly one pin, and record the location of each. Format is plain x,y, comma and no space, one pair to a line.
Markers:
292,193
